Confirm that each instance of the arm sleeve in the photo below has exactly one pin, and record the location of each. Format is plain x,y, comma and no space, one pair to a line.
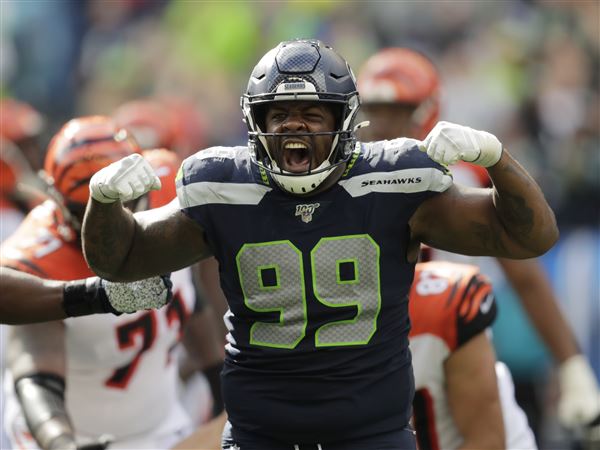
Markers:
42,399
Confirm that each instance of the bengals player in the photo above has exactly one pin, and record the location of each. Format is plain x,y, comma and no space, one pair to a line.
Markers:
75,380
463,396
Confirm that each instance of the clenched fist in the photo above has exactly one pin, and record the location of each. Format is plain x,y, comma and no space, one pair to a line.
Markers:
125,180
449,143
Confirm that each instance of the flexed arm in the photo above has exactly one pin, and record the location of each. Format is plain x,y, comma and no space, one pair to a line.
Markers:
521,206
121,246
512,219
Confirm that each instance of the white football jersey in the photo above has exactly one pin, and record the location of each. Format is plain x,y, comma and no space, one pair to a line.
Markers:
122,376
518,433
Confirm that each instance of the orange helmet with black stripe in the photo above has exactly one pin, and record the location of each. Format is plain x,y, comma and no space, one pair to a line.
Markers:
405,77
82,147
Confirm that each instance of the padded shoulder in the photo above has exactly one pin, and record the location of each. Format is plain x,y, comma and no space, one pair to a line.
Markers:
44,246
215,164
396,166
452,301
223,175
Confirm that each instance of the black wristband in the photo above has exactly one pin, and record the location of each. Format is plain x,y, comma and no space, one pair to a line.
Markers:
213,376
85,297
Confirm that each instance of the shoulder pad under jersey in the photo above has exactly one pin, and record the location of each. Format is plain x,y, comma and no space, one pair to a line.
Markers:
396,166
223,175
452,301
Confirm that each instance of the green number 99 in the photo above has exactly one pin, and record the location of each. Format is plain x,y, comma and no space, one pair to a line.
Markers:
344,272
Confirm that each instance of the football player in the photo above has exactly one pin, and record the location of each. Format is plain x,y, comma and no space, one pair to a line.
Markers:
72,381
400,91
464,398
316,236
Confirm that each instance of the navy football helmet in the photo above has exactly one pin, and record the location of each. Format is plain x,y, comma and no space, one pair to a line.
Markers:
303,70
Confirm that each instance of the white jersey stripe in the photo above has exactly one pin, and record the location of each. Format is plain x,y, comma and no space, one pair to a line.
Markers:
206,193
398,181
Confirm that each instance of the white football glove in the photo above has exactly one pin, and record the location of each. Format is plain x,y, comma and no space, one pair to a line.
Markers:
126,179
579,403
129,297
449,143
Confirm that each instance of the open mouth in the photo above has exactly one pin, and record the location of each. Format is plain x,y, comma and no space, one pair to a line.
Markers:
296,157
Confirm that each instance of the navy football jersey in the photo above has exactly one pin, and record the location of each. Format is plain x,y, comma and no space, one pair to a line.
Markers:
317,289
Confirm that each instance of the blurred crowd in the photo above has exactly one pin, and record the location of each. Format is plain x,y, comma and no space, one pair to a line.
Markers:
526,70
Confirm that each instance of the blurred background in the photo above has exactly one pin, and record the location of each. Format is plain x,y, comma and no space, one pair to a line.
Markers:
527,71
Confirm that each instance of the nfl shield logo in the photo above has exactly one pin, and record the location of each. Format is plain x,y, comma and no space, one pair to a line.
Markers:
306,211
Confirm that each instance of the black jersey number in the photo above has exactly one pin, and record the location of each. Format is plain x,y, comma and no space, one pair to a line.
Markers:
344,271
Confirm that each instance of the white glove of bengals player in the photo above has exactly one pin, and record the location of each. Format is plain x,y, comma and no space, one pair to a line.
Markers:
448,143
125,180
